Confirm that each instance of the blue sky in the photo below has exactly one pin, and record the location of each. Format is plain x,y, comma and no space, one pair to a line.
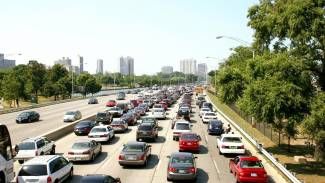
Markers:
154,32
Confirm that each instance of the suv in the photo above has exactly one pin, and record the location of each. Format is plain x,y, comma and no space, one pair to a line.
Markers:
31,147
49,168
147,131
104,117
120,96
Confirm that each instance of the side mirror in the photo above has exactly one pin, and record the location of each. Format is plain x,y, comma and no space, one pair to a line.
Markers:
195,157
16,148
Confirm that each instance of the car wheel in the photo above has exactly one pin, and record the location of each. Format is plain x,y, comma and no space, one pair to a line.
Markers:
137,139
168,179
53,151
71,173
220,152
29,120
20,161
42,153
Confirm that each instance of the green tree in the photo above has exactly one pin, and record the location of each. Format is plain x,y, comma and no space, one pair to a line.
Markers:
36,77
10,88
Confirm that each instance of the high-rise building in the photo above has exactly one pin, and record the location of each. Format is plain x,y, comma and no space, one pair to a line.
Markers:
202,71
167,69
65,61
81,63
6,63
127,65
100,69
75,69
188,66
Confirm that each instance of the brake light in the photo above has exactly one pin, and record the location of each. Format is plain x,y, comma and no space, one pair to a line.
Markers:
223,146
142,157
36,153
104,135
192,170
86,152
241,147
71,153
49,179
121,157
171,169
241,174
265,174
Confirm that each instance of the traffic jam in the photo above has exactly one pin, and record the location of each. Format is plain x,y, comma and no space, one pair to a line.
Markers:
39,161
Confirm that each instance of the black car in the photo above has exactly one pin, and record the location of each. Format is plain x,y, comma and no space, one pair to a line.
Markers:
84,127
207,105
93,101
27,117
147,131
104,117
130,118
150,120
215,127
185,114
99,178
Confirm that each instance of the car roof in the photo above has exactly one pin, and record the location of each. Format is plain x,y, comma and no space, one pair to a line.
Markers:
32,139
83,140
251,158
146,124
101,126
181,154
41,159
231,135
135,143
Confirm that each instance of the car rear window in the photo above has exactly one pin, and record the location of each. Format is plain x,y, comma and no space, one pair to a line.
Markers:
133,148
189,136
145,127
251,164
81,145
84,123
33,170
182,126
232,139
98,130
26,146
210,114
117,122
70,113
159,110
101,114
182,159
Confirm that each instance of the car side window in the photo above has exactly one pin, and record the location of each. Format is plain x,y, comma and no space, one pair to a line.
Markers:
55,165
52,166
46,141
109,179
236,160
40,143
63,162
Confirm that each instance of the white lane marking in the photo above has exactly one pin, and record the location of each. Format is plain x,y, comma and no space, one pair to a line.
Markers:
215,165
206,138
159,163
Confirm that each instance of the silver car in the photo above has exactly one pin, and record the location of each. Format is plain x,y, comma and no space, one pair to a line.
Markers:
135,153
84,150
181,166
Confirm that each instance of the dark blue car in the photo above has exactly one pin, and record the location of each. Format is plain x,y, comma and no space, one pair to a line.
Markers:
215,127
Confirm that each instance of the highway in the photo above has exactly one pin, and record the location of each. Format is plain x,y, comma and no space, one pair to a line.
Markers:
212,167
51,117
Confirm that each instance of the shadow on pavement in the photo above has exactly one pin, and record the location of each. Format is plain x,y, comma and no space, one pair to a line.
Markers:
202,177
152,163
97,160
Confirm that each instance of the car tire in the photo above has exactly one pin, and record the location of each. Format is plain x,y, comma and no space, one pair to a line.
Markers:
71,173
52,151
137,139
220,153
21,161
29,120
93,157
168,179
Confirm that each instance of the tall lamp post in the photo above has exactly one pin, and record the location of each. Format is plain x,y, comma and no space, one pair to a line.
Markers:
239,41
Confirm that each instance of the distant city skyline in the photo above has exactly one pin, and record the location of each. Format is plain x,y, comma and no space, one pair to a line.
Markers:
127,65
188,66
100,66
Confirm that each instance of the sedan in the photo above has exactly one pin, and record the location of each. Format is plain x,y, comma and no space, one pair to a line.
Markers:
135,153
84,150
111,103
159,113
72,116
84,127
209,116
119,125
99,178
115,111
104,117
215,127
28,116
93,101
248,169
181,166
189,142
102,133
129,118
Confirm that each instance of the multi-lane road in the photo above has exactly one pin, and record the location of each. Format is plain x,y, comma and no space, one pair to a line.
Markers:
212,167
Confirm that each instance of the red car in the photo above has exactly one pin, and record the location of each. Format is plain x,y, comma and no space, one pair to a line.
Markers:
111,103
189,142
134,103
248,169
165,105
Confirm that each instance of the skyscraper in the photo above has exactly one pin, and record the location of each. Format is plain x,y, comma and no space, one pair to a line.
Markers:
127,65
6,63
188,66
81,63
99,69
202,71
65,62
167,69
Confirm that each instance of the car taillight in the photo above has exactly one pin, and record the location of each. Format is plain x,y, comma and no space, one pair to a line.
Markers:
241,174
103,135
86,152
241,147
121,157
191,170
36,153
265,174
171,169
49,179
223,146
71,153
142,157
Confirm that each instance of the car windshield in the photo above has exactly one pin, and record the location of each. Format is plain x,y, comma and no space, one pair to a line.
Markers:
216,124
117,122
101,114
232,139
24,114
147,120
133,148
115,109
250,164
182,126
189,136
33,170
210,114
98,130
84,123
182,160
206,110
70,113
81,145
145,127
26,146
158,110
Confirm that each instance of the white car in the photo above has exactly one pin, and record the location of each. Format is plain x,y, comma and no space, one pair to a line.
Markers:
44,169
230,144
159,113
72,116
102,133
32,147
207,116
180,127
204,110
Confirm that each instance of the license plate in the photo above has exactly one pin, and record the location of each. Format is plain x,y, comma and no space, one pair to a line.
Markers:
96,136
181,171
31,180
132,158
233,147
78,158
253,174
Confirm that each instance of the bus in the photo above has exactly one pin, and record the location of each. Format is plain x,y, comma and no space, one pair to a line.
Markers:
6,156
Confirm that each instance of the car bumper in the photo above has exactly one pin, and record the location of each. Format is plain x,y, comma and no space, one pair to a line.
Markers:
179,176
135,162
79,157
253,179
79,132
232,151
189,148
159,116
24,158
99,139
217,132
118,129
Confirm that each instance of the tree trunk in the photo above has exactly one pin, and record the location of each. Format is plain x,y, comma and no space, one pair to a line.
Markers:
289,150
279,142
17,102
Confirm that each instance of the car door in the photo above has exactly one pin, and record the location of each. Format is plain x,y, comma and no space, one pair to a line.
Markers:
110,132
235,165
95,147
64,168
40,144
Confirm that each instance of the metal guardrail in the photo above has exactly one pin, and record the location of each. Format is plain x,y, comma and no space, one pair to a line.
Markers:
278,165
